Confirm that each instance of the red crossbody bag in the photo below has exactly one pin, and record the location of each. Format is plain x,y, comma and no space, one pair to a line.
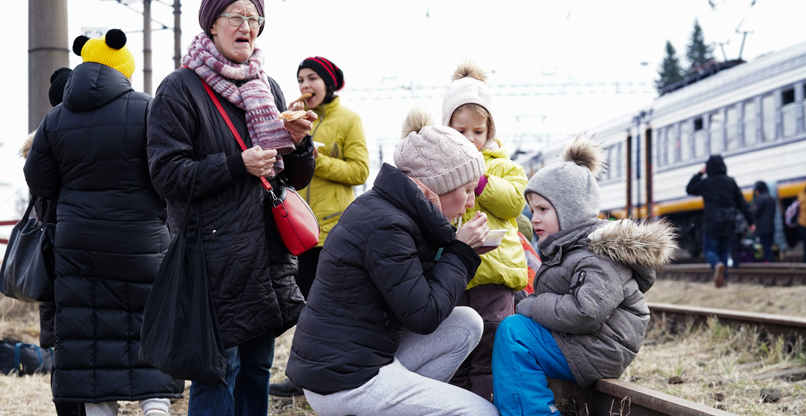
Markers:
295,220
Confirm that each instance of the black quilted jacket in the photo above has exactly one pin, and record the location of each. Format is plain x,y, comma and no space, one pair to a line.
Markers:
251,273
90,153
377,275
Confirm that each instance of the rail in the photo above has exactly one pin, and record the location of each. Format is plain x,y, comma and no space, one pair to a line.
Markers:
772,274
788,326
617,397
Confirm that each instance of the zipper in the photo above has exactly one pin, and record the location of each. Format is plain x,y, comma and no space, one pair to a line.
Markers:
331,216
574,289
313,134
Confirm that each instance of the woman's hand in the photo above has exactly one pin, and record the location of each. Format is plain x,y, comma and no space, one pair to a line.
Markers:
259,162
300,127
474,232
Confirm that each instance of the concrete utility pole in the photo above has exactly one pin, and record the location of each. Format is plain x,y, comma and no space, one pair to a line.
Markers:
47,51
177,34
147,47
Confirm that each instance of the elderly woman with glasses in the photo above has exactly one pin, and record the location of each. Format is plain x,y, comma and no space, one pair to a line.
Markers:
250,271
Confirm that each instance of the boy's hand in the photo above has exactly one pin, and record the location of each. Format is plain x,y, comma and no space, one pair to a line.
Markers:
524,307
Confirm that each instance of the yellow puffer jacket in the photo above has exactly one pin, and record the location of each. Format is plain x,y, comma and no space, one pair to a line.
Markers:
343,162
502,200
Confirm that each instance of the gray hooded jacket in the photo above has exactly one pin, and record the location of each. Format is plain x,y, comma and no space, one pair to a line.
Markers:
590,292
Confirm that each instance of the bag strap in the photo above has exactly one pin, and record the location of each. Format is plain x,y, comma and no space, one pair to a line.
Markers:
231,127
30,207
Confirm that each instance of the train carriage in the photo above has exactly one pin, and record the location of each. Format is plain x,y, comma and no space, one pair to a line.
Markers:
753,114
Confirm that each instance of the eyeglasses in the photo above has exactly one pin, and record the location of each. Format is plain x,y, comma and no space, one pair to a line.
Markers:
237,20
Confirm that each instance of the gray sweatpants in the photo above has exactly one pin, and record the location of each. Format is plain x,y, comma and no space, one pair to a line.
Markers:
416,382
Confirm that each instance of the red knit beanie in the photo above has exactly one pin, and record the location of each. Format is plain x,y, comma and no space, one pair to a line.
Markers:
326,70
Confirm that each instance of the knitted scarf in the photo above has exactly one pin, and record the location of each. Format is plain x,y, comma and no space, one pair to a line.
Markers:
253,96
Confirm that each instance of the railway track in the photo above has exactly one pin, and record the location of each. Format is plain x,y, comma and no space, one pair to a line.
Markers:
788,326
617,397
773,274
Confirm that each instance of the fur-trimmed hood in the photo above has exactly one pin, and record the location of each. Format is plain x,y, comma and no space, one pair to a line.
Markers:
639,245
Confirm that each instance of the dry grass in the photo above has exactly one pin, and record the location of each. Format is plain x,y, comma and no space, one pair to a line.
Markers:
716,365
715,362
31,396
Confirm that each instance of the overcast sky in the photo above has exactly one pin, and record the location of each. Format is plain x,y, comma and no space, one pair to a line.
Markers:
382,46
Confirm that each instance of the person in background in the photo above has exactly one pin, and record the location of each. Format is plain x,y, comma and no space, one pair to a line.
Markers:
802,220
341,163
47,310
722,199
587,317
380,334
89,155
466,107
764,217
250,270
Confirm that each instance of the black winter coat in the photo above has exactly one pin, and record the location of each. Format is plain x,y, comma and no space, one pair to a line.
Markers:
110,236
722,198
377,275
764,214
251,272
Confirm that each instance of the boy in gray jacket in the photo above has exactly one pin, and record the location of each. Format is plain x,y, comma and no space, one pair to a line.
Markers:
587,317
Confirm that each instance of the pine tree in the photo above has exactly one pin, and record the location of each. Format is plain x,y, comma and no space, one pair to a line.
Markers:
697,52
670,71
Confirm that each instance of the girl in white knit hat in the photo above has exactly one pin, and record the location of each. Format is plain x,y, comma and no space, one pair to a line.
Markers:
466,107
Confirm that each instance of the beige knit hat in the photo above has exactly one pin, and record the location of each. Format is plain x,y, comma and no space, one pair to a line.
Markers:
439,157
469,86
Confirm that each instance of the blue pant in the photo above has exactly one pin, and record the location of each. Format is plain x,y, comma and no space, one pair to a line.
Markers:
247,393
524,354
716,250
766,246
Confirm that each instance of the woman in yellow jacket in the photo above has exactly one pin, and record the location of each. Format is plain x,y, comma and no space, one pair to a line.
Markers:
342,161
500,195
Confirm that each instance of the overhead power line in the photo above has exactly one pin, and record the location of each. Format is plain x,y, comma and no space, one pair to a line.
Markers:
503,90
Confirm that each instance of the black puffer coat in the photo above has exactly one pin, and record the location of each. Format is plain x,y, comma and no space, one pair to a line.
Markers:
722,198
110,236
377,274
764,214
251,273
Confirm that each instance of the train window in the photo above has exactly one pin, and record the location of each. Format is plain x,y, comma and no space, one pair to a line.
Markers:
715,142
685,141
768,118
699,138
672,145
618,160
789,112
749,123
731,128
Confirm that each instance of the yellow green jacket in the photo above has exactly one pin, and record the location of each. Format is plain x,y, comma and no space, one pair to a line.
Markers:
502,200
343,162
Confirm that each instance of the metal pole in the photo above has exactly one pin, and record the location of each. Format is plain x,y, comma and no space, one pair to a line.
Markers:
177,34
147,46
47,52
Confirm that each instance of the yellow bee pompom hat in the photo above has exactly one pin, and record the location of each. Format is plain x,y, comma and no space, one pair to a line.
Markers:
109,50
